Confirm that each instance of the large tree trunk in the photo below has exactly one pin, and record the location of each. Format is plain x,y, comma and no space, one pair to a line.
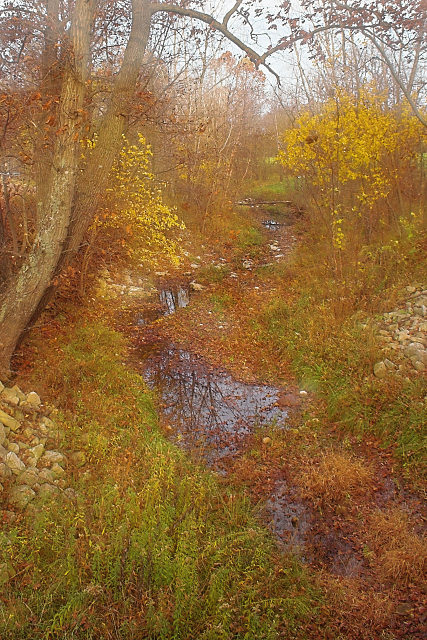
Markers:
92,183
50,88
30,283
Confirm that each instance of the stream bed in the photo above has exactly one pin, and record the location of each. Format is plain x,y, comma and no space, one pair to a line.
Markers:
212,415
209,410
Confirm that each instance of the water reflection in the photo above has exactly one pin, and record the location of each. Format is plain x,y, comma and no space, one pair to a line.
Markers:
209,410
173,299
271,224
166,303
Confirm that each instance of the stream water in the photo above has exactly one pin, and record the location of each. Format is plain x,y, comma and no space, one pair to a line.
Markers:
211,414
210,411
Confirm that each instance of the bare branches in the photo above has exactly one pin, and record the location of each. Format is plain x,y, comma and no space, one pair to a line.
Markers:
208,19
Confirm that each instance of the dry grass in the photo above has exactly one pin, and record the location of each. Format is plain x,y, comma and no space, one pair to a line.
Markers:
360,612
400,553
338,479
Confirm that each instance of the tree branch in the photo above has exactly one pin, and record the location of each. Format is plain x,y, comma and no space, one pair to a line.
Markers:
217,26
230,13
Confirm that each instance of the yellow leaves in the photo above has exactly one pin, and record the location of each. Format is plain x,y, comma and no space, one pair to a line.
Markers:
135,206
354,155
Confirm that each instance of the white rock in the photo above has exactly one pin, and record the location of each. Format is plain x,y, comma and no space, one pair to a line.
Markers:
21,495
14,463
57,470
9,421
37,451
33,398
380,370
28,476
5,472
46,475
47,490
50,457
196,286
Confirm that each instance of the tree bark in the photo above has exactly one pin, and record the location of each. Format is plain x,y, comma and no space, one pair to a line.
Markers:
29,284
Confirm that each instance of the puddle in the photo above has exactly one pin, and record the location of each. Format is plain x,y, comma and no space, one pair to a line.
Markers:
173,299
168,301
272,225
209,410
289,518
296,527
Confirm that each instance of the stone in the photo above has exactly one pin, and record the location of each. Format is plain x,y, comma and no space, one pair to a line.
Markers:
29,477
46,475
14,463
20,394
196,286
13,446
2,433
37,451
380,370
419,366
8,421
389,364
50,457
33,398
10,396
5,472
57,470
413,349
47,422
78,458
47,489
266,440
420,310
21,495
411,289
28,433
303,393
1,386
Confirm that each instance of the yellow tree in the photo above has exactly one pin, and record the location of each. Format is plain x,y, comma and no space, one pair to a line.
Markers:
356,159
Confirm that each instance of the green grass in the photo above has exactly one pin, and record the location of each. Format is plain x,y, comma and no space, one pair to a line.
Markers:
153,546
335,358
213,273
221,301
250,237
274,190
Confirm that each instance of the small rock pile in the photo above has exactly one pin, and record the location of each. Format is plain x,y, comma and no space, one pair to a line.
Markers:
30,464
403,334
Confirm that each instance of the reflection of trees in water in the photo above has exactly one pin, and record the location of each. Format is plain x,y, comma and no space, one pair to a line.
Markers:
206,405
173,299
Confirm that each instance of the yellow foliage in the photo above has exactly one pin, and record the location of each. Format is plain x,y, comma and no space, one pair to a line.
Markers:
351,154
134,206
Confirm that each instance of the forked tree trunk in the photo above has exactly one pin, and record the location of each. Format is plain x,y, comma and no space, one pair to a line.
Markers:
30,283
92,183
